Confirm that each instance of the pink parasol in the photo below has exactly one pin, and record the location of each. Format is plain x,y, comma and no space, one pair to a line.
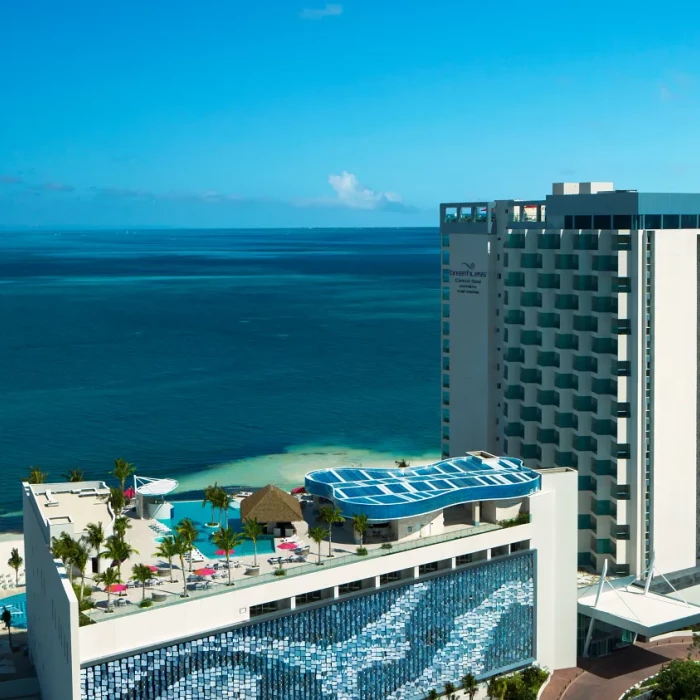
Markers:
117,587
129,493
153,568
205,571
298,489
287,545
222,552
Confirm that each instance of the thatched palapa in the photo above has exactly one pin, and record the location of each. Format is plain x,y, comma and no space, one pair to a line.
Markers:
271,505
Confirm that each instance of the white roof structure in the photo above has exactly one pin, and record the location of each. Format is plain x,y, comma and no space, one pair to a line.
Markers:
630,608
154,487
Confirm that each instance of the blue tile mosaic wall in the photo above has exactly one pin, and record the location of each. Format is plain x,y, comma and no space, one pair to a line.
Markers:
394,644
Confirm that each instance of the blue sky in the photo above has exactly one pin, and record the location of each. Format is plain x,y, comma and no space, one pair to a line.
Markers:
361,113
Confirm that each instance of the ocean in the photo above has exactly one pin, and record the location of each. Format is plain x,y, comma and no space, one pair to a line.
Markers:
238,356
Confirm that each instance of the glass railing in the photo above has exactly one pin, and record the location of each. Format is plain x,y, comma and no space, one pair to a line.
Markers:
302,570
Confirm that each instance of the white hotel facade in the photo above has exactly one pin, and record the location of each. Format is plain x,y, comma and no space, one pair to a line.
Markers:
569,339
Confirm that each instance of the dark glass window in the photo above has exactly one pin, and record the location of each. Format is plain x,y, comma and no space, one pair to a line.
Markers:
689,221
583,221
568,221
601,221
652,221
672,221
623,221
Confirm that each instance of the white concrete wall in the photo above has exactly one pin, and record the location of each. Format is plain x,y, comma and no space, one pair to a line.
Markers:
554,535
674,422
471,328
52,612
199,616
495,511
419,526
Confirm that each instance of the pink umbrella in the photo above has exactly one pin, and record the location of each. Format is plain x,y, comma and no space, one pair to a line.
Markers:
117,588
153,568
299,489
206,571
222,552
287,545
129,493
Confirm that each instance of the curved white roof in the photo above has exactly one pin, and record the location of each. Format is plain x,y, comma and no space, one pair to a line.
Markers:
155,487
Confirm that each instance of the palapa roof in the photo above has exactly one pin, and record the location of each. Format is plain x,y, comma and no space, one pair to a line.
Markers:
271,505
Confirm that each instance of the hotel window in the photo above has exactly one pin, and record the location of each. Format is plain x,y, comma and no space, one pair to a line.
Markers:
445,275
586,241
601,221
605,263
530,261
445,257
672,221
306,598
445,398
427,568
445,310
391,577
624,222
549,241
445,327
463,559
583,221
351,587
446,364
445,433
689,221
445,415
568,221
446,381
446,241
652,221
446,345
566,262
515,240
264,609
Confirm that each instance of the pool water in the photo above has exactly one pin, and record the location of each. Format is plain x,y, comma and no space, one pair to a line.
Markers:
201,515
17,605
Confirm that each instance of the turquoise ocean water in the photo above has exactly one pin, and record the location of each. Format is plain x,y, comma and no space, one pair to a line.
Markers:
198,354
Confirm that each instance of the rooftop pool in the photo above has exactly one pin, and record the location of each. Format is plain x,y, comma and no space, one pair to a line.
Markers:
201,515
17,605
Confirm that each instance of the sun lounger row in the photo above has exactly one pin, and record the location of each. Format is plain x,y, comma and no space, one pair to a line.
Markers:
160,528
296,559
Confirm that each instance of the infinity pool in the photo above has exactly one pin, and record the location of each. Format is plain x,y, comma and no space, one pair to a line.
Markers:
201,515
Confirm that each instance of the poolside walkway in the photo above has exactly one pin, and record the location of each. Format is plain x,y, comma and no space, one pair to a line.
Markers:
609,677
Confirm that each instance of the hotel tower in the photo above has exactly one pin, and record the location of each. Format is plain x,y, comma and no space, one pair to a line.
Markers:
569,339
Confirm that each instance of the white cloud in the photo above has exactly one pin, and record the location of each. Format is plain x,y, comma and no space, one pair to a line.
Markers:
330,10
351,193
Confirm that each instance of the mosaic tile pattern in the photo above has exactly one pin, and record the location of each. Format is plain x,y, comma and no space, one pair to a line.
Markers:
394,644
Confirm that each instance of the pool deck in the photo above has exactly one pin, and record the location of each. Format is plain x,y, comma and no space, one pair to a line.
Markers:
142,538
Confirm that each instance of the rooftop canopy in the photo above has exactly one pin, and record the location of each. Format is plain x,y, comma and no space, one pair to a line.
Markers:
271,505
391,494
154,487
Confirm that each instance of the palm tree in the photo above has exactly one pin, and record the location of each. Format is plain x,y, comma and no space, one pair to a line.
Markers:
95,537
122,471
252,530
433,694
210,494
402,464
74,475
79,558
167,550
115,500
108,578
121,525
14,562
36,476
360,523
181,547
469,685
143,575
450,690
224,505
329,516
62,548
118,551
318,534
227,539
496,688
188,531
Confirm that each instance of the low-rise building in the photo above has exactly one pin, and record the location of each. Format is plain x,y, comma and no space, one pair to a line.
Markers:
470,567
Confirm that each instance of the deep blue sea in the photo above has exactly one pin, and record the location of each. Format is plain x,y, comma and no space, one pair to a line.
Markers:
215,354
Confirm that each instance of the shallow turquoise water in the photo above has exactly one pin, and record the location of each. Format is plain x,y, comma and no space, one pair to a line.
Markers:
201,515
